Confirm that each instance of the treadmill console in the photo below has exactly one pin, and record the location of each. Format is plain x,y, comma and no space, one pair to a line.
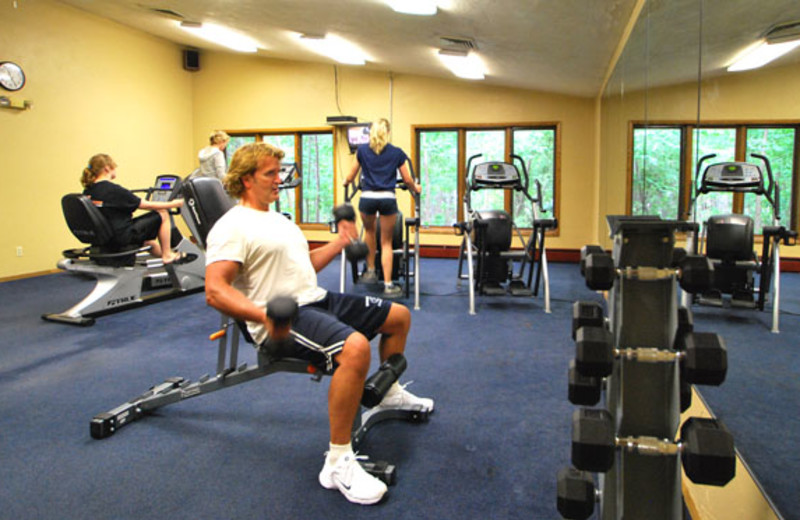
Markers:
164,187
497,174
733,176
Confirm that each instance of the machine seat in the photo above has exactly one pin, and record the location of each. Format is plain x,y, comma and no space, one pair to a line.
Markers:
88,225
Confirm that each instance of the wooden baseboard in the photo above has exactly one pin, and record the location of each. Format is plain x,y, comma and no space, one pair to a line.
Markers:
28,275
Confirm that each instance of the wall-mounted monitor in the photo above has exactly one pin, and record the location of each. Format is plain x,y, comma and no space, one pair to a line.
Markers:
358,135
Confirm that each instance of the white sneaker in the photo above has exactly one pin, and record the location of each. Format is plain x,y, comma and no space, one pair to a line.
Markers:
352,480
402,399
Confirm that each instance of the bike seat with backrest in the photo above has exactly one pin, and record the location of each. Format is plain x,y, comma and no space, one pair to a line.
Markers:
90,226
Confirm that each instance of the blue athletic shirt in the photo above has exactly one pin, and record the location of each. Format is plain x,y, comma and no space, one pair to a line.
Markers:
379,172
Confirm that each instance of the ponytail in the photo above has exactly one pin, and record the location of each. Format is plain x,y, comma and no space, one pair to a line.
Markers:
379,135
95,167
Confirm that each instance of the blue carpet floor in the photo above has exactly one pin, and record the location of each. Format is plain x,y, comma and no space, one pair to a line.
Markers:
491,450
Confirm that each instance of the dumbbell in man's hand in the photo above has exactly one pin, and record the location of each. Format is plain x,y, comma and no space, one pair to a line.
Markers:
281,311
356,250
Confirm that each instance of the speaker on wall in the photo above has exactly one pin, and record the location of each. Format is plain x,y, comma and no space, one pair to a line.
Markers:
191,60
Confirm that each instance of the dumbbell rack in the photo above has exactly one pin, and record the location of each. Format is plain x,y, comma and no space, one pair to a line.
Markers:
644,399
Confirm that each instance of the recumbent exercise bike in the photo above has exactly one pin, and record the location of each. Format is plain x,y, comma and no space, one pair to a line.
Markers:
128,276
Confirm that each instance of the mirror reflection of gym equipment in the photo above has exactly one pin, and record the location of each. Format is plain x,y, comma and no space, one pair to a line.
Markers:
493,267
728,239
126,277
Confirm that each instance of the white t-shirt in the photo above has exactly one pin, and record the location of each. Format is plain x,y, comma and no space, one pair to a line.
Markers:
273,254
212,162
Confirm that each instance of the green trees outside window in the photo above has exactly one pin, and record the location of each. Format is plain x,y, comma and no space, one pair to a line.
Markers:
312,201
663,183
442,155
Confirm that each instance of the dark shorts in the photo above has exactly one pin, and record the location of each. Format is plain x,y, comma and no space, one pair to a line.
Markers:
321,328
380,206
144,227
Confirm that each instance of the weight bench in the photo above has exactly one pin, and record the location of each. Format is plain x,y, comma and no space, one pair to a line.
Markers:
207,201
126,276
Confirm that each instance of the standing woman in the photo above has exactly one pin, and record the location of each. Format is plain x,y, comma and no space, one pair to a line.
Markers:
118,204
379,162
212,157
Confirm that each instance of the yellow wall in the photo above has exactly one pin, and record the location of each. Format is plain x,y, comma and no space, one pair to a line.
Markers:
242,92
96,86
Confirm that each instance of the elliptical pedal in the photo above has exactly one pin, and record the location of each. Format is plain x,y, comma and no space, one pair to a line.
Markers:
518,288
493,289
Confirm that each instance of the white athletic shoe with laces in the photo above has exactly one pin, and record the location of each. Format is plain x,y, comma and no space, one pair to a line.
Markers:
352,480
401,399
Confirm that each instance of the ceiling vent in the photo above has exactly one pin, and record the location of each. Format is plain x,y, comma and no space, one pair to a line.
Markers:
164,12
785,32
459,44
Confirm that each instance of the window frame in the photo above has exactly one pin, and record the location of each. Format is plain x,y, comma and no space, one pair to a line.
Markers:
298,134
509,128
687,173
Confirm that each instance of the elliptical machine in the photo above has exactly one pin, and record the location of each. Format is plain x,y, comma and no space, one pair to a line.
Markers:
406,256
488,235
727,240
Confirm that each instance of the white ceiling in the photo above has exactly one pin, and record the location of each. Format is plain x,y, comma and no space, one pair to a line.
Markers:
562,46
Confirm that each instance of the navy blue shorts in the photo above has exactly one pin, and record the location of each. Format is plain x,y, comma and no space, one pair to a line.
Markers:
381,206
321,328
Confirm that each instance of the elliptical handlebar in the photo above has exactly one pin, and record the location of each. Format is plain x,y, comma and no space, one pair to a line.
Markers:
467,177
525,176
697,176
771,185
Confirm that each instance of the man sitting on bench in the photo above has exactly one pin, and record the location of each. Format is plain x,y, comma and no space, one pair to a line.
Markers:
255,254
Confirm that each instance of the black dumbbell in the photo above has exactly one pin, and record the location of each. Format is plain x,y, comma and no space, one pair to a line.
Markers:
696,273
356,250
705,447
599,271
583,390
586,313
585,252
704,360
576,494
379,383
282,310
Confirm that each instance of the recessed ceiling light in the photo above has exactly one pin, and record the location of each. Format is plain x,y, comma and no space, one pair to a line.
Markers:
334,47
221,36
419,7
761,54
466,65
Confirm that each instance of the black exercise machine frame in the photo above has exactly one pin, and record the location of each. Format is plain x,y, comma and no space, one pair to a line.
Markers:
772,236
533,252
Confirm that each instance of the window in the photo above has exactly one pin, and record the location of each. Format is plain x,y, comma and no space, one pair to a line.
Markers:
663,183
443,154
438,171
312,201
656,172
